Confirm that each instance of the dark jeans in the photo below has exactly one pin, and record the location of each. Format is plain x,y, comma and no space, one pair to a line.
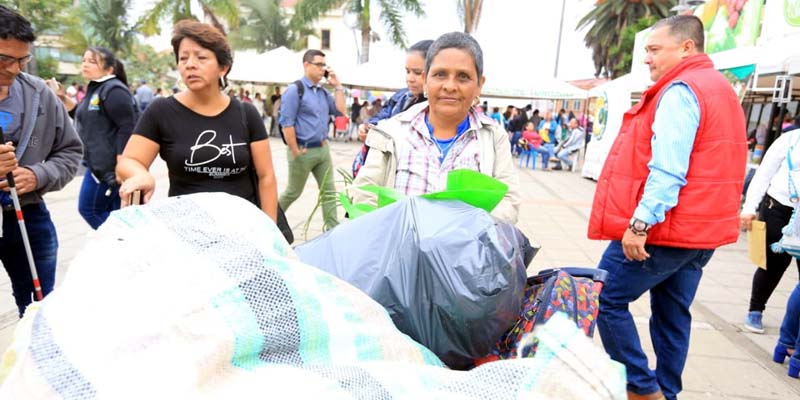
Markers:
790,328
44,246
515,149
671,275
776,216
93,204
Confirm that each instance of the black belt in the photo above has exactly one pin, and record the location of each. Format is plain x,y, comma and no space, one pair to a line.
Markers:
8,207
310,144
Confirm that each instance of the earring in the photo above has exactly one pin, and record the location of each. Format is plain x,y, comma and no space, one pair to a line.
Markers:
222,82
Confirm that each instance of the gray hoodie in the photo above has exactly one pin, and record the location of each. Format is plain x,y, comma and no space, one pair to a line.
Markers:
48,144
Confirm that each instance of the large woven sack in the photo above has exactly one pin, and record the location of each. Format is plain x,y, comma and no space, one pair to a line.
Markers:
200,297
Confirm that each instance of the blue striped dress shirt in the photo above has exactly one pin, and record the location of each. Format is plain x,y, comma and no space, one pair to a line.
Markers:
674,130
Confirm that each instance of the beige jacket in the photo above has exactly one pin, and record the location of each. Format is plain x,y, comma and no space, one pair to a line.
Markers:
380,167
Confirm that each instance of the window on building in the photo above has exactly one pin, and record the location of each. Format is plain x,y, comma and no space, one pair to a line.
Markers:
576,105
326,39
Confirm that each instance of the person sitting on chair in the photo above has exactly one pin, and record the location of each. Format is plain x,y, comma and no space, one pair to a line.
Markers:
534,140
573,143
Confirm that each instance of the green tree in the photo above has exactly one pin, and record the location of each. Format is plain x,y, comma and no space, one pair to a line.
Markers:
101,23
215,11
391,15
46,17
145,63
623,51
608,20
264,26
470,13
47,67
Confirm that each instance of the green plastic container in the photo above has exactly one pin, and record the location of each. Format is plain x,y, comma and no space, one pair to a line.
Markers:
471,187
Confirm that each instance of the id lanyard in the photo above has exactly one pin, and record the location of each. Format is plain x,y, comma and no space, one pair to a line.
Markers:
793,195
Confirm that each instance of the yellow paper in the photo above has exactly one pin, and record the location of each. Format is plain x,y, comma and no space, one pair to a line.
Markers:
757,244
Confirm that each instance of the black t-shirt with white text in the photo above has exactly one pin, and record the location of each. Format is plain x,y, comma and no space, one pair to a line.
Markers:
204,154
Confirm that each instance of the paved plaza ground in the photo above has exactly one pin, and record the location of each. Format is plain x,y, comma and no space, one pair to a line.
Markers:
724,361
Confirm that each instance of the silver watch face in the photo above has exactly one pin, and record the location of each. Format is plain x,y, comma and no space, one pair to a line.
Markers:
639,225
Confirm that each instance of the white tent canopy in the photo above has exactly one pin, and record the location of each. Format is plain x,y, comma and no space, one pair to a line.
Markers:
382,74
279,66
283,66
518,85
634,83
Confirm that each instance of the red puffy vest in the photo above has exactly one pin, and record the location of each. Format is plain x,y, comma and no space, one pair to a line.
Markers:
706,215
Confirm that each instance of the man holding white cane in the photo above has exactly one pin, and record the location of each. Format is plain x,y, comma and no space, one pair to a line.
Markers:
42,152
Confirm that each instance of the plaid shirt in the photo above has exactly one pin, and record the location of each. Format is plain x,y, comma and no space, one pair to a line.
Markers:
419,170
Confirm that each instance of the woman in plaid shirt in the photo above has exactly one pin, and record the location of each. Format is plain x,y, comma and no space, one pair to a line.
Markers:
416,149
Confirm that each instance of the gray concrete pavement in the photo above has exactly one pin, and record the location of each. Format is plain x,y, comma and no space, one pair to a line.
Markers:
724,361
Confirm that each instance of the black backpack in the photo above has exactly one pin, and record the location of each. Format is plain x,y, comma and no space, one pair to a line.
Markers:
116,83
300,91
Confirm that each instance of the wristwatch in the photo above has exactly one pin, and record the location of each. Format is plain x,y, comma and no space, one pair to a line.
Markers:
639,227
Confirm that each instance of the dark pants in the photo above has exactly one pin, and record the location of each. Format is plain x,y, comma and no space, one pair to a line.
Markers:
515,149
93,204
671,275
44,245
776,216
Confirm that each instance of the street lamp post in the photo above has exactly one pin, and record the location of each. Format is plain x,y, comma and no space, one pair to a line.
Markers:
560,30
350,20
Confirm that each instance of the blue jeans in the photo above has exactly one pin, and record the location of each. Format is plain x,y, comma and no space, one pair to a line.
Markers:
790,328
546,150
93,204
671,275
515,149
44,246
563,155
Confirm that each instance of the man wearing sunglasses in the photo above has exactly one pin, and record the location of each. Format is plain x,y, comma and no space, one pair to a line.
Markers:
306,108
41,150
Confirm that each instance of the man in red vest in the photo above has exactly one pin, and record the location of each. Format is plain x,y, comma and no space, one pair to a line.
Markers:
668,195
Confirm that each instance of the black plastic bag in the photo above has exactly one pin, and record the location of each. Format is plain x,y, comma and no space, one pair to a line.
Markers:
451,276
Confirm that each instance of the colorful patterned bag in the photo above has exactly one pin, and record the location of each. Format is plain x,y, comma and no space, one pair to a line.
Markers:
573,291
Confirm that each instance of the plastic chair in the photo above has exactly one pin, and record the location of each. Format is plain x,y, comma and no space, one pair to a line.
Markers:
341,125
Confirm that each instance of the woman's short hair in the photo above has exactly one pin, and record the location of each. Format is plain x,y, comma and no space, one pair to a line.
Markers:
106,59
456,40
205,35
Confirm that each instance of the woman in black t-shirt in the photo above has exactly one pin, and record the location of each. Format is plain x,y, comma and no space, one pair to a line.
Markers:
211,142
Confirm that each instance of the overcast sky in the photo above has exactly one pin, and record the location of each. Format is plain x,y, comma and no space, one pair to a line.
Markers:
514,34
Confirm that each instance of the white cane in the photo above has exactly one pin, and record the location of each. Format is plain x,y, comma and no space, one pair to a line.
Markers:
37,287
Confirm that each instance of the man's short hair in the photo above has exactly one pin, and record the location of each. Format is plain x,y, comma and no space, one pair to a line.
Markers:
309,55
685,27
15,26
